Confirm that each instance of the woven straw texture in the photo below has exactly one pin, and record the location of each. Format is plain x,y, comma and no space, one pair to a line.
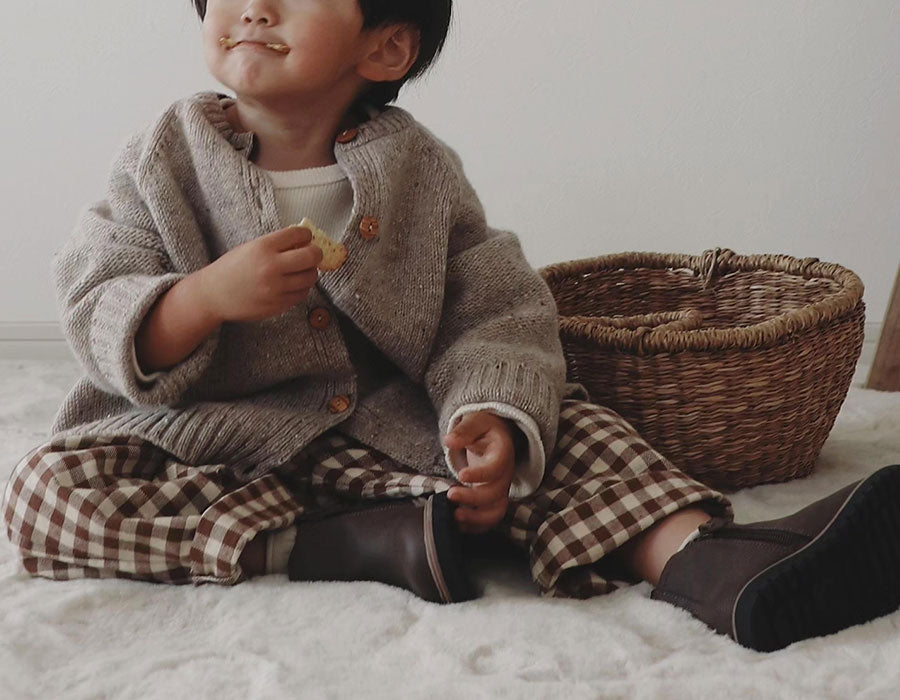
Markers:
734,367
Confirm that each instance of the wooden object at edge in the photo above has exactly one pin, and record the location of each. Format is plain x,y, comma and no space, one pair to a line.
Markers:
885,373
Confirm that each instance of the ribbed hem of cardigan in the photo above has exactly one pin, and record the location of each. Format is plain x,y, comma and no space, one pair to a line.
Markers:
214,433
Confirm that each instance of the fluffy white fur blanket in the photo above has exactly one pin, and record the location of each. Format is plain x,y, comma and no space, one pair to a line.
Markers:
270,638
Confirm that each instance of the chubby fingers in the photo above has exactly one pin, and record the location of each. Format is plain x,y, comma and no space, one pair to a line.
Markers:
471,429
474,520
479,496
484,472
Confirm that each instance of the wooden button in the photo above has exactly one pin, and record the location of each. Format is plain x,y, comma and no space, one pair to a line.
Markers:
319,318
368,227
339,404
348,135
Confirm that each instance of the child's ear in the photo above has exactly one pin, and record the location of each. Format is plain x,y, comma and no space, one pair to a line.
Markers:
393,50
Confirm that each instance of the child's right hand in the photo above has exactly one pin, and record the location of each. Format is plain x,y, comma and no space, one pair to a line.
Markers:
262,278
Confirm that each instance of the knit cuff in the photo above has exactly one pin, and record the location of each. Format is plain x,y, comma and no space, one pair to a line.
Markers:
142,378
117,317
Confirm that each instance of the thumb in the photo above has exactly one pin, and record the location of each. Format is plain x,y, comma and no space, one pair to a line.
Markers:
291,237
466,432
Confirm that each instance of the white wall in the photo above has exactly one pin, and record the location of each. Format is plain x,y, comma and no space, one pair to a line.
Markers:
586,126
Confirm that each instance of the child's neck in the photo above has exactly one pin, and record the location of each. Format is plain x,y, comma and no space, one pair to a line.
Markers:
295,143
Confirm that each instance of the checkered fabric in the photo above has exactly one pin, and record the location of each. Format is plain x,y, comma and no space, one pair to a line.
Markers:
121,507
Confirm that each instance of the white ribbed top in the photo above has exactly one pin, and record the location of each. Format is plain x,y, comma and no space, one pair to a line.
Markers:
323,194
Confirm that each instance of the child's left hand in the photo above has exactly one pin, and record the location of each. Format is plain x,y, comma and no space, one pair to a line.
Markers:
490,453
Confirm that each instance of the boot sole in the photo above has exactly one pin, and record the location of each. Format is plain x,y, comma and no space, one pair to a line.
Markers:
847,575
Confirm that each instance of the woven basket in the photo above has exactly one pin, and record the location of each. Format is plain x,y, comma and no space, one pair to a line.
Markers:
734,367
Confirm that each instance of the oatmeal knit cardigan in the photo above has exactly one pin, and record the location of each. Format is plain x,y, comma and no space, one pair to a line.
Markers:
434,312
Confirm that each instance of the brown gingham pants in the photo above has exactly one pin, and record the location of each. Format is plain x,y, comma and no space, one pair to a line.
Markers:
120,507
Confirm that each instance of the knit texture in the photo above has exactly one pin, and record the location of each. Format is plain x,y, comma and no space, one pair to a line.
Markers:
435,312
325,195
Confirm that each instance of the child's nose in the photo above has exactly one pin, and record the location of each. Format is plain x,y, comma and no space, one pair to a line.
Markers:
258,12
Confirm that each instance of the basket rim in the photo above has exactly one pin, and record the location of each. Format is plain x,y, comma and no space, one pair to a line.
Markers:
712,263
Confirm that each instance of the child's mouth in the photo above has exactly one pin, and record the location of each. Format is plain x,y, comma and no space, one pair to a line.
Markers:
229,43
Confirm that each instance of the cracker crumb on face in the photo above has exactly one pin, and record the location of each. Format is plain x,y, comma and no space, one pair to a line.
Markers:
229,43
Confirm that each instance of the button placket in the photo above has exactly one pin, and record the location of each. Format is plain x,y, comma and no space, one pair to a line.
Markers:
348,135
254,186
368,227
339,404
319,318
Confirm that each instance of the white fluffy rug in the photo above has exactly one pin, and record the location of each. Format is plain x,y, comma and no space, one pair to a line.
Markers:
270,638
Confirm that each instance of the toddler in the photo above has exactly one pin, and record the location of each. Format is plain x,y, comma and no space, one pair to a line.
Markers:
243,413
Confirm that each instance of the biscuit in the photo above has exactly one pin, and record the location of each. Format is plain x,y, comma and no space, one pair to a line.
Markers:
333,254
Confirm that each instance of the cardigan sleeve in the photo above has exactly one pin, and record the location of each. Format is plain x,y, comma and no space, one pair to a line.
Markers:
498,338
108,274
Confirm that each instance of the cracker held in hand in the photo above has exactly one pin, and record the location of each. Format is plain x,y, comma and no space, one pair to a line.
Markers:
333,254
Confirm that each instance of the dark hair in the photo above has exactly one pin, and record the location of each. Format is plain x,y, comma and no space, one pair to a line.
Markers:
432,17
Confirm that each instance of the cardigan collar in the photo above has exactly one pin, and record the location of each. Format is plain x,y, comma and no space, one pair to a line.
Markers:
375,124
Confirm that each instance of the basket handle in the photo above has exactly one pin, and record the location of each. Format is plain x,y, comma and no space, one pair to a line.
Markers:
687,320
709,263
631,333
714,258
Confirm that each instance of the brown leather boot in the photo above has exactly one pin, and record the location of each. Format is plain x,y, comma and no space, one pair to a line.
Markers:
411,543
831,565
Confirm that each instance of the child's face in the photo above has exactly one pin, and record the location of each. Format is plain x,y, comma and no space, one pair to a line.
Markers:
321,40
